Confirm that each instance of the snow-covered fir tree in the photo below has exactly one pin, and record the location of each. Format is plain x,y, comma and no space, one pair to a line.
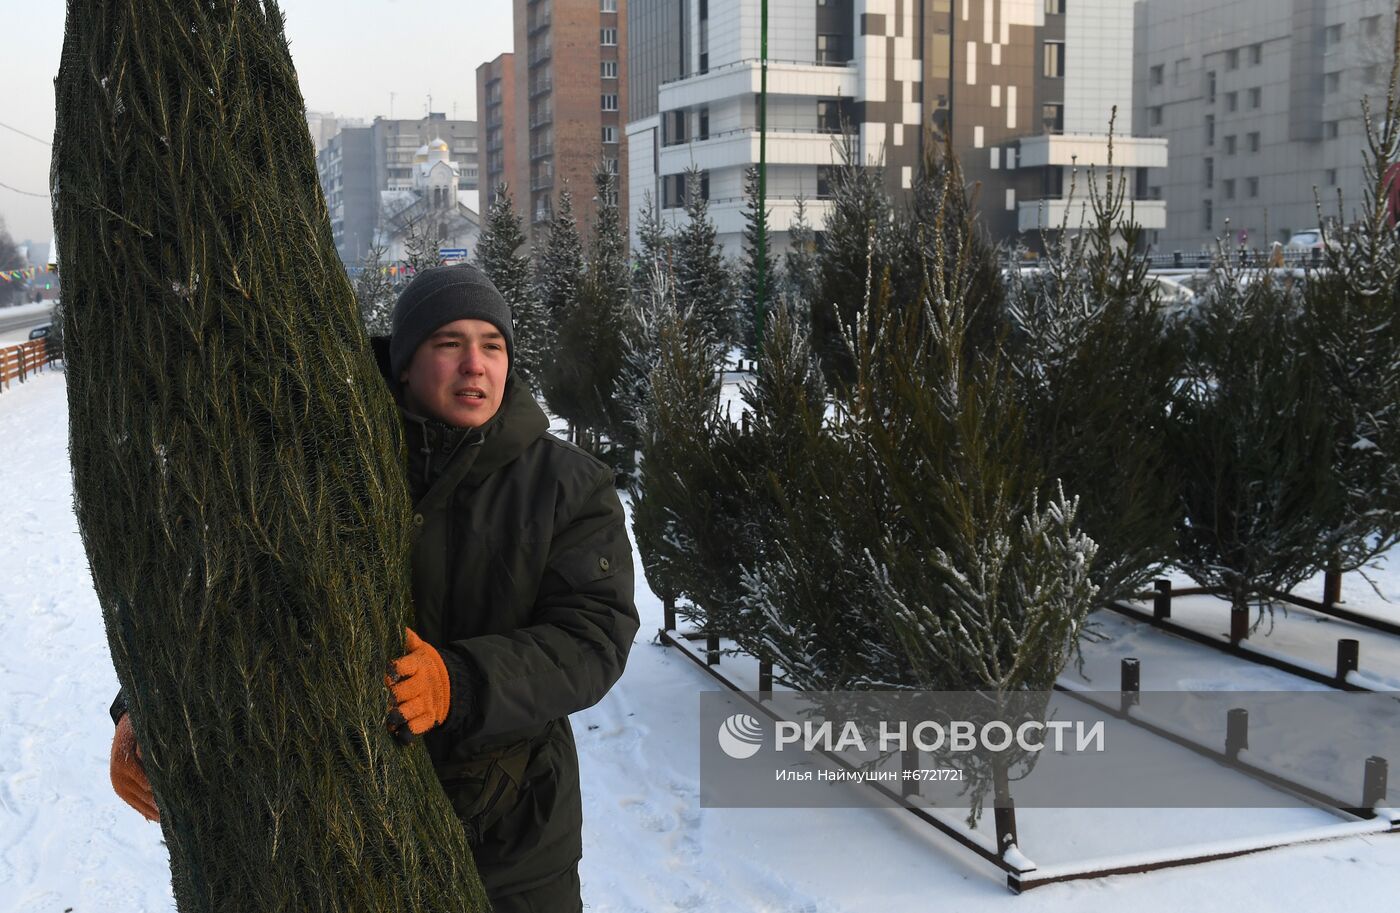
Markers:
375,292
498,254
1095,367
702,277
854,257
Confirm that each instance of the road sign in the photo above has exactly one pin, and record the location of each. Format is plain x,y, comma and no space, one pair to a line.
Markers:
452,253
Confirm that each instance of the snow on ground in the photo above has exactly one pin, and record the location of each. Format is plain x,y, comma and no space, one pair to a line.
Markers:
67,842
37,315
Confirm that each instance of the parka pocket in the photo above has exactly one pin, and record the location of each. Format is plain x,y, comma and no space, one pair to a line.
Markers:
484,790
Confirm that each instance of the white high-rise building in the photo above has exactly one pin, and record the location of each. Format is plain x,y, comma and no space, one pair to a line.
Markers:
1026,88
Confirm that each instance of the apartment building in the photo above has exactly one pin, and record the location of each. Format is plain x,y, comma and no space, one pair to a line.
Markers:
569,103
1025,88
1261,102
498,160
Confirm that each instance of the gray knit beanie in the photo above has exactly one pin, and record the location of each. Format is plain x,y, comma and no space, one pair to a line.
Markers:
439,295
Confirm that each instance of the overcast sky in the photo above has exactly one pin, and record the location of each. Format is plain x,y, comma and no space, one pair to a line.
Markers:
350,55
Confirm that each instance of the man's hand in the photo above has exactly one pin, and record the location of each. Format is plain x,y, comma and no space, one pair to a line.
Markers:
420,687
128,776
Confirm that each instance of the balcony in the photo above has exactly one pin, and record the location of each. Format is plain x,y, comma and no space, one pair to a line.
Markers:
541,117
803,79
539,55
1050,214
543,179
541,150
739,148
538,20
541,86
1091,149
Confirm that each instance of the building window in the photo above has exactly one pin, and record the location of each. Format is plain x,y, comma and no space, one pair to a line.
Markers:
1331,129
610,165
608,69
1331,177
830,113
829,49
608,37
1210,129
1232,102
1154,115
1208,211
1372,74
1256,98
702,124
1334,35
1256,54
1229,185
1210,87
1371,26
826,181
1230,144
1209,172
1054,7
1232,59
1052,118
1251,188
1252,141
610,101
1332,82
609,6
1157,74
609,134
1054,59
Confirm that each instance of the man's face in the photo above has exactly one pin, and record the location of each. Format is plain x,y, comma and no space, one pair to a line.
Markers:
458,374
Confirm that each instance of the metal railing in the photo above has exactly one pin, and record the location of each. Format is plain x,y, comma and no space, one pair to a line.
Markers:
542,117
541,150
541,86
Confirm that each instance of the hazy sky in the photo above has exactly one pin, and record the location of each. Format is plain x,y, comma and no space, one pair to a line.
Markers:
350,55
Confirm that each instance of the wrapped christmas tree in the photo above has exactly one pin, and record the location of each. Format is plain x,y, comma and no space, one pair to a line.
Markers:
236,471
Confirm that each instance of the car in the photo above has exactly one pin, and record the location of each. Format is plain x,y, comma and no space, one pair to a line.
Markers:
1308,239
40,332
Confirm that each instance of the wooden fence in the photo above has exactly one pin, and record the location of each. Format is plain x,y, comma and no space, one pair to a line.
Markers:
17,363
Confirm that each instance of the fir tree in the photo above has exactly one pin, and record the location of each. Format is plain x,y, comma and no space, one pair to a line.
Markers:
419,250
653,257
559,261
1096,366
800,262
855,257
1352,330
237,472
1253,439
702,279
374,291
498,254
749,318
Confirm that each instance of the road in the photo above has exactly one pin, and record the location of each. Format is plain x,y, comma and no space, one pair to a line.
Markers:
15,323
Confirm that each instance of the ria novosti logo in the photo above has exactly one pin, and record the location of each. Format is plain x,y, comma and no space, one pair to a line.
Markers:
740,736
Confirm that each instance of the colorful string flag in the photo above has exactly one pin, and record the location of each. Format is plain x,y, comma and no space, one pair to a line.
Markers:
14,275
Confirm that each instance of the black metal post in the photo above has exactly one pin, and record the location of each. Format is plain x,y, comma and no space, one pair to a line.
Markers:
1130,676
1239,624
1162,600
1374,786
1236,732
765,680
1348,657
1331,588
908,760
669,604
712,649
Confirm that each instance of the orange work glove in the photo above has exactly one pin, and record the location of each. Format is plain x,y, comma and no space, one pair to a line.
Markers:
128,776
420,686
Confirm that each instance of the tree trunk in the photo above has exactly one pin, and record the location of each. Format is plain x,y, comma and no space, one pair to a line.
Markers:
236,464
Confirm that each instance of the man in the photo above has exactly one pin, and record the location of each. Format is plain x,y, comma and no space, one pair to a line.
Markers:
522,591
